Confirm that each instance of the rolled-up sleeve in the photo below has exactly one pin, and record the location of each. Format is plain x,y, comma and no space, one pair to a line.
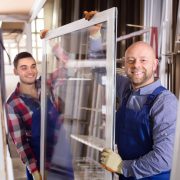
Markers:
95,49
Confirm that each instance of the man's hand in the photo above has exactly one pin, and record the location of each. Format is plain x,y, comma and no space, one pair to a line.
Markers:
60,53
43,33
36,175
88,15
93,30
111,161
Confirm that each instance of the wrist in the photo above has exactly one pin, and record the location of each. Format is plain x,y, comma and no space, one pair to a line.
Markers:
96,35
119,169
36,175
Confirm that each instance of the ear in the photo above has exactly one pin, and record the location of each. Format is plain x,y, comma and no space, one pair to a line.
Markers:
15,72
156,62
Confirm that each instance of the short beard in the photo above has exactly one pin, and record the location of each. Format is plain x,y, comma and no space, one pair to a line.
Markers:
142,82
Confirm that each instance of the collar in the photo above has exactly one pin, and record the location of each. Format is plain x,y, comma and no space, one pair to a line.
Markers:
37,84
148,89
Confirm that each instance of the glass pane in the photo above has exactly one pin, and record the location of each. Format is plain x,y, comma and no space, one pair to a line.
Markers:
79,91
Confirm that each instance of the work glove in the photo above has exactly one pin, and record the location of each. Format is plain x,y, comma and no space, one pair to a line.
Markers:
36,175
88,15
111,161
43,33
93,30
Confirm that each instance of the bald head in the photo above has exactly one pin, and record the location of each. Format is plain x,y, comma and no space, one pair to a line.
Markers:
140,64
141,46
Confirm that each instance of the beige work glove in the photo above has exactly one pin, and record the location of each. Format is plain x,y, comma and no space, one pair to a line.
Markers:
111,161
36,175
88,15
93,30
43,33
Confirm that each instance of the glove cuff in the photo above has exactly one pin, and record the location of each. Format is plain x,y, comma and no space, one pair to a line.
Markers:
120,168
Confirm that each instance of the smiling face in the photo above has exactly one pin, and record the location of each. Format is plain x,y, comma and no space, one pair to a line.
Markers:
26,70
140,64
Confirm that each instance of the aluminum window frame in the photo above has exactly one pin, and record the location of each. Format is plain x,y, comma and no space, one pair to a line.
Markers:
110,17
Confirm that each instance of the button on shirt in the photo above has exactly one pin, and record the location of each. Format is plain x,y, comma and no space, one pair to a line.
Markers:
163,112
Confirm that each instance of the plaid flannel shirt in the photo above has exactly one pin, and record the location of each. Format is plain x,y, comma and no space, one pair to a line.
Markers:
19,116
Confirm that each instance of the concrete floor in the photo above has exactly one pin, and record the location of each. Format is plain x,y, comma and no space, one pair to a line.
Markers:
18,167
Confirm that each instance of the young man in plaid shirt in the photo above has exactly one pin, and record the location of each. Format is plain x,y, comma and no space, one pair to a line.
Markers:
23,113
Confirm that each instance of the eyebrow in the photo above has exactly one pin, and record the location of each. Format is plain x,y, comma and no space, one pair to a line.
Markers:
26,65
136,58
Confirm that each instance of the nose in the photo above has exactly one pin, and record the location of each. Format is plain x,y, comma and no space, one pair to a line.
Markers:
137,63
30,70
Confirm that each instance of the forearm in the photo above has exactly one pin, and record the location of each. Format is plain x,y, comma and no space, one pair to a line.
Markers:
25,153
160,158
153,163
19,126
22,146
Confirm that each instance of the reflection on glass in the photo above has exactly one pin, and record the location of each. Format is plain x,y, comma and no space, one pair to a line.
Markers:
75,123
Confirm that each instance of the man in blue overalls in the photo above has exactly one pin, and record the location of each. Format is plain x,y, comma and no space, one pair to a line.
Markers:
145,120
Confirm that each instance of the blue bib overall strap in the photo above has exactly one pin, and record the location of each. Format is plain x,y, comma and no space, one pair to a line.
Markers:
35,131
52,124
36,127
134,132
